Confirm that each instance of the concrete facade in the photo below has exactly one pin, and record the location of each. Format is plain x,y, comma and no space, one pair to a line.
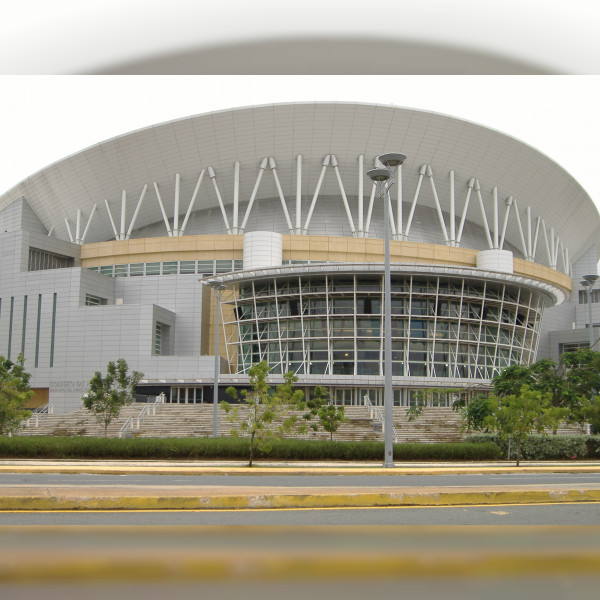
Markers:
486,259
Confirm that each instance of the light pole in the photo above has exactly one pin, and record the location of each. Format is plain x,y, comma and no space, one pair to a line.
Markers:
384,179
218,286
588,282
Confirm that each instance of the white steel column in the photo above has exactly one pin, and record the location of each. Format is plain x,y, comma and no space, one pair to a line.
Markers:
483,215
548,252
496,241
162,210
176,209
509,202
123,211
263,166
280,192
529,238
554,248
361,225
535,237
521,233
334,163
325,164
69,230
92,213
192,201
137,211
236,195
78,226
112,221
298,229
211,174
422,172
399,215
437,204
470,187
452,211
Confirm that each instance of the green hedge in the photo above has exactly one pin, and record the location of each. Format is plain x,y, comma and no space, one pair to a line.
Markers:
547,447
74,447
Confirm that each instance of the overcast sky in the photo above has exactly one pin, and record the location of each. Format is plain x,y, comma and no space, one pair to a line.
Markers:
45,118
75,36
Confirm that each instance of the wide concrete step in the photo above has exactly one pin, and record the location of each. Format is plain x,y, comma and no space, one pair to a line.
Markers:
195,420
435,424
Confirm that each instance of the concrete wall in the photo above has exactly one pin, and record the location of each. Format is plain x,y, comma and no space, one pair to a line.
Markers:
44,316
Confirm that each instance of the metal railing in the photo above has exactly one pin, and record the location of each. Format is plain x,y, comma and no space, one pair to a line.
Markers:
128,425
134,422
34,419
376,415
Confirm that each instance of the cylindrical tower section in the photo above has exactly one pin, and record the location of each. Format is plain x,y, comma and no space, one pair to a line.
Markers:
495,260
262,249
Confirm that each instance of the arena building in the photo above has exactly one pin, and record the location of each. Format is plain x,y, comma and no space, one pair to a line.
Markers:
104,255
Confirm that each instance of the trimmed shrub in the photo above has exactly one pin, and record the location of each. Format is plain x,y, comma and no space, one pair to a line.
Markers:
235,449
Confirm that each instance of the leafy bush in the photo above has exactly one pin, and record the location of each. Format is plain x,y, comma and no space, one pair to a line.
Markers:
547,447
593,446
234,448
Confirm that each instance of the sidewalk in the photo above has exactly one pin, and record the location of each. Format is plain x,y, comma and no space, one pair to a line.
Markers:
216,467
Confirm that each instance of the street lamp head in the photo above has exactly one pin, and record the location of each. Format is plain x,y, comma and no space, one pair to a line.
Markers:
392,159
591,279
378,175
585,283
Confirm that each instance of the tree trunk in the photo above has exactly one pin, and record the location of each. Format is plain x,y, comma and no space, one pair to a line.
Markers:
518,452
251,449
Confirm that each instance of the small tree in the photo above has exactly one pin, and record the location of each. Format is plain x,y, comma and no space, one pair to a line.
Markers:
14,393
330,416
571,384
106,396
265,406
515,416
474,413
590,411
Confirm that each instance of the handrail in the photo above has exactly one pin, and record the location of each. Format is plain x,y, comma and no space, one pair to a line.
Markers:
46,409
375,413
134,422
127,425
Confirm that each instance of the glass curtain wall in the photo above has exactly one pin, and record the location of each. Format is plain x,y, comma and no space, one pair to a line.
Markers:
332,324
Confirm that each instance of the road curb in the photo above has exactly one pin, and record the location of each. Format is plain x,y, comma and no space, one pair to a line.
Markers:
295,470
260,500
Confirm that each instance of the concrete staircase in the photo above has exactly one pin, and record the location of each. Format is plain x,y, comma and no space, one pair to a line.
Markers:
195,420
435,424
172,420
80,422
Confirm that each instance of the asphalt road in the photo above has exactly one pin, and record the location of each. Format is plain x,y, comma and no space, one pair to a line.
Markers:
539,514
459,480
547,587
